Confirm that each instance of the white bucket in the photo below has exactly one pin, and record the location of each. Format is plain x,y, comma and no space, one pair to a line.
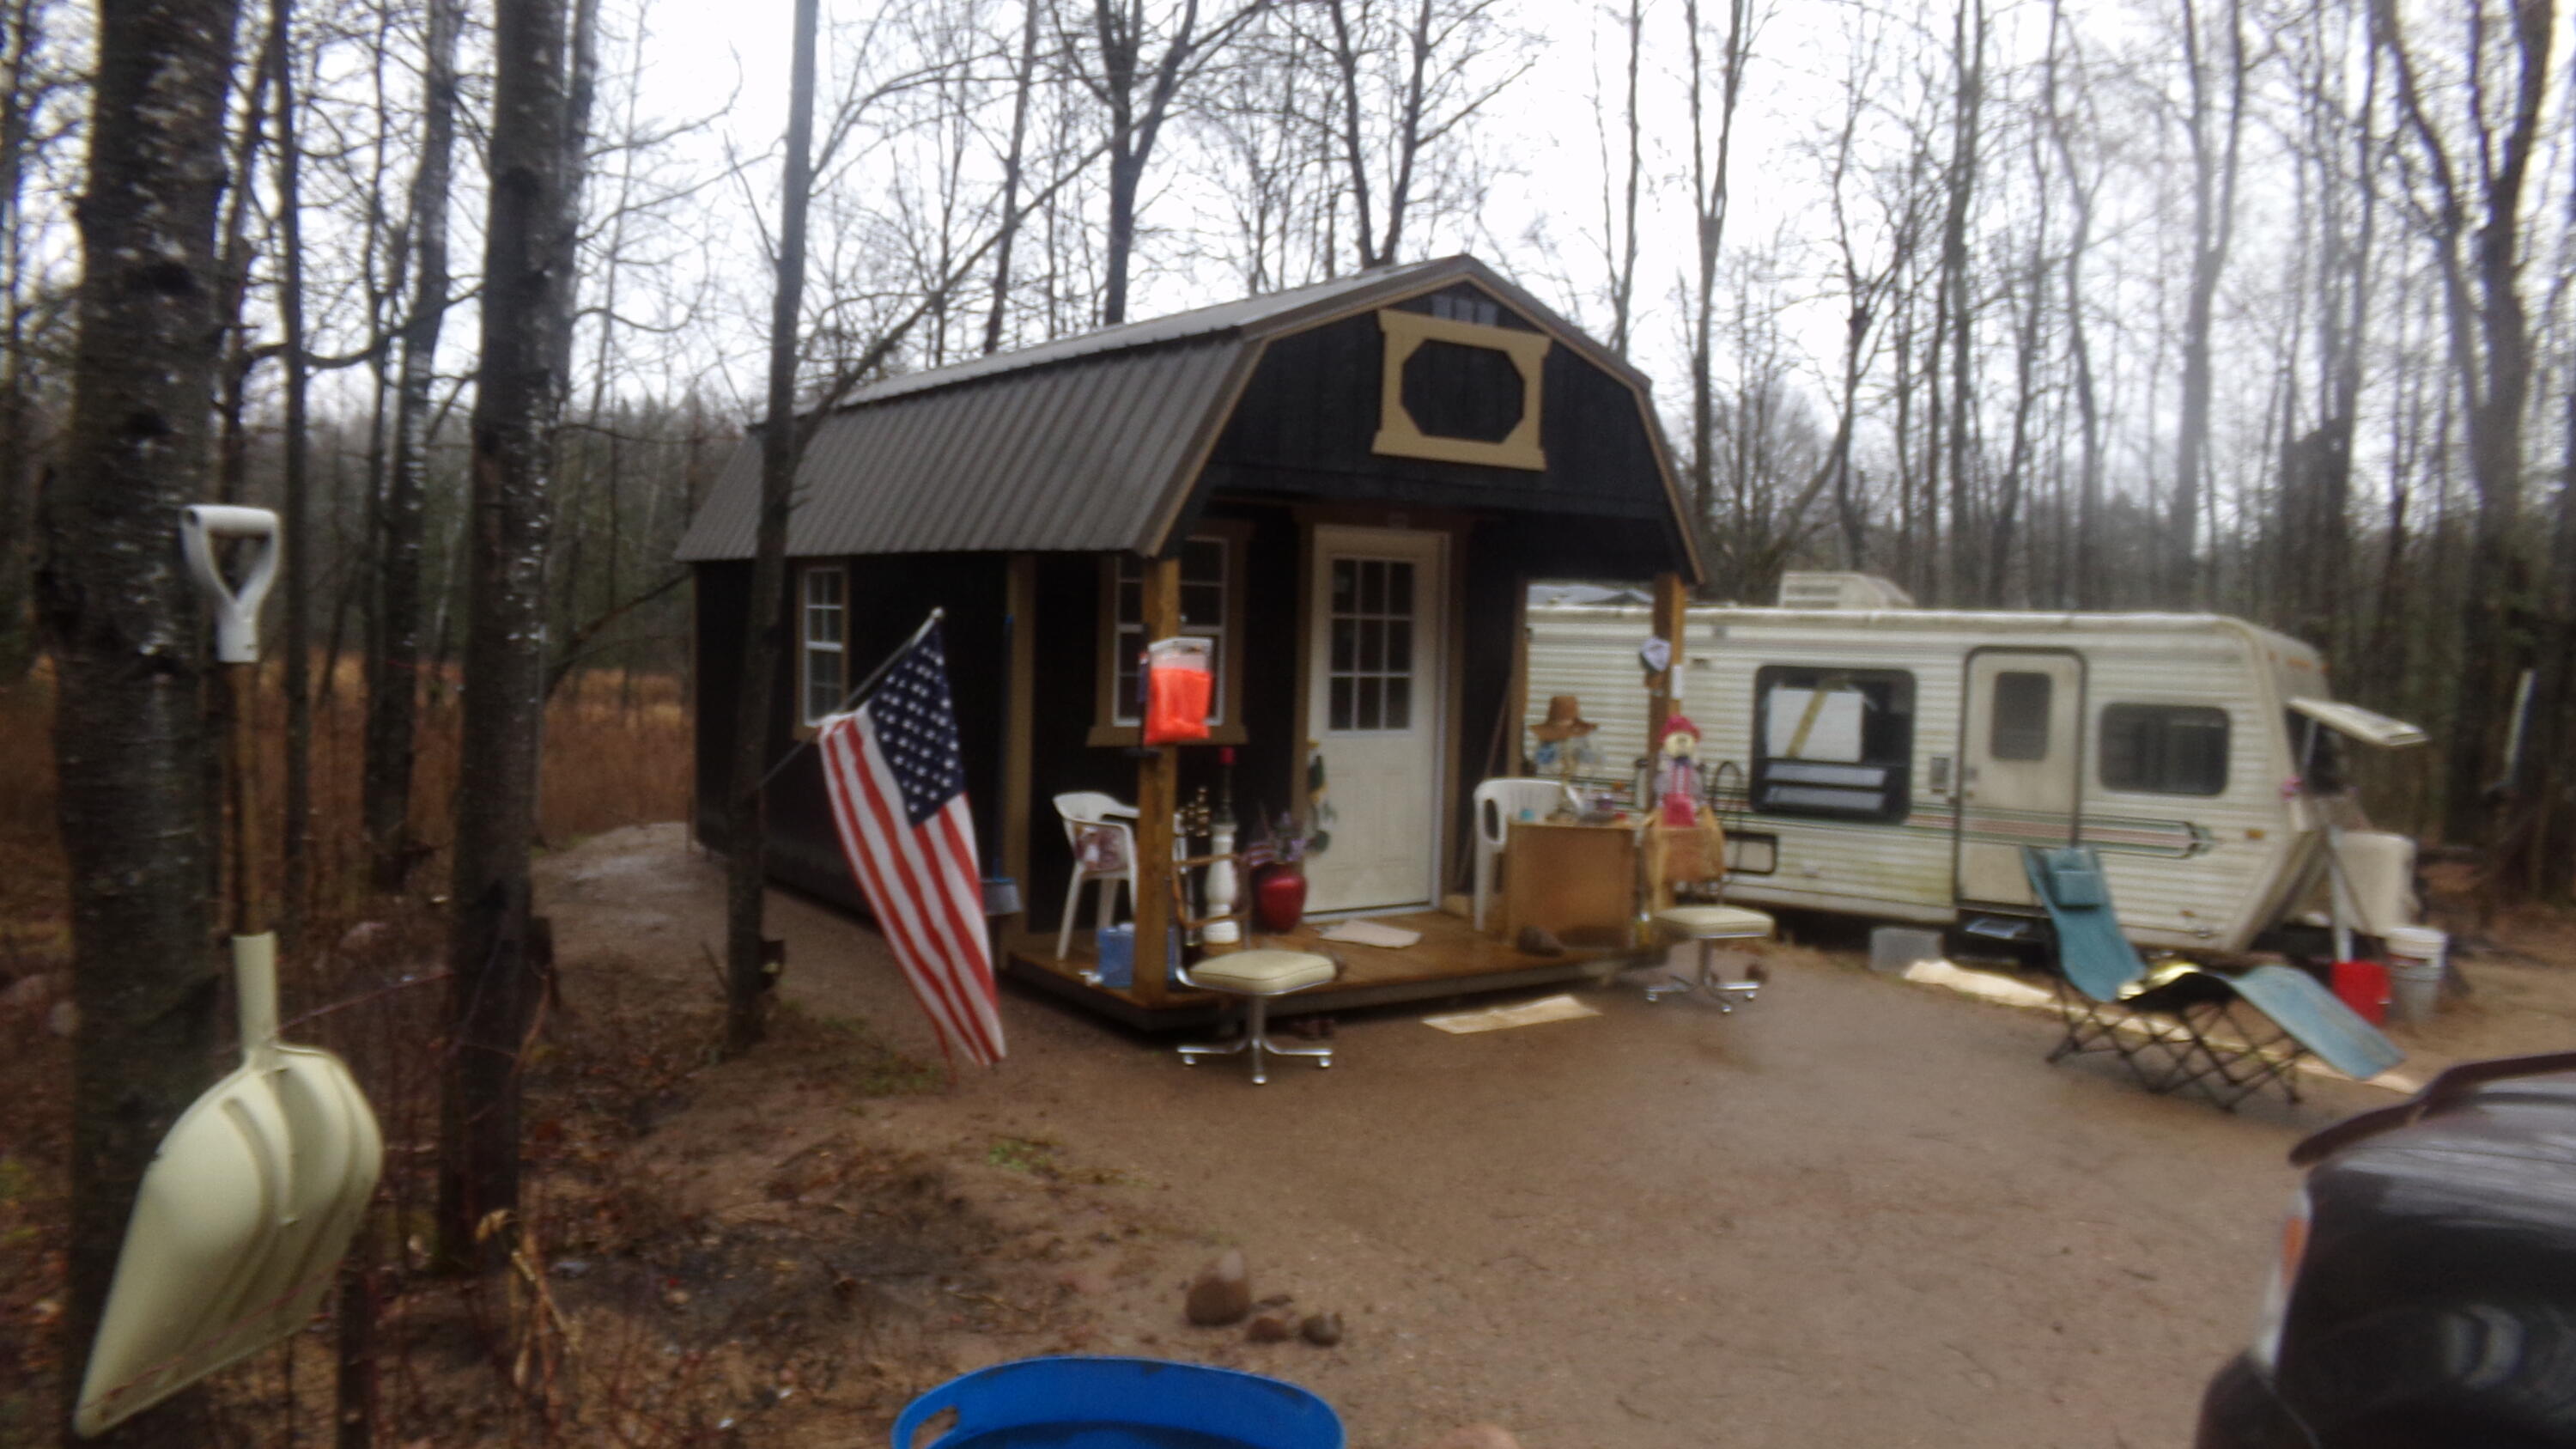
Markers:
2414,971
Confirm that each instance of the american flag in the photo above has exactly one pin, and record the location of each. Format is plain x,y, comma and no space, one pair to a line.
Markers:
898,790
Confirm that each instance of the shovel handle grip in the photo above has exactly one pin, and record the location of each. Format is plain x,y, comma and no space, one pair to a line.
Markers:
236,609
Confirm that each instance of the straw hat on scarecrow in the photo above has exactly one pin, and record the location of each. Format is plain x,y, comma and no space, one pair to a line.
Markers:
1564,721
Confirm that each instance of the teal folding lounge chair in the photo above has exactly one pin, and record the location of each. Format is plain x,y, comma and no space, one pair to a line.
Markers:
2225,1035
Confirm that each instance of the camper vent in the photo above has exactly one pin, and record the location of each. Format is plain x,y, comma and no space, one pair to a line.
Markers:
1841,591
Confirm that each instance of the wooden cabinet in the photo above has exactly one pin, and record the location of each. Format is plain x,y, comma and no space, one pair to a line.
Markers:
1578,881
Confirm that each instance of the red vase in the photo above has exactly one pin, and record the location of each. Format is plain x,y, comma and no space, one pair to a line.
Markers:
1279,898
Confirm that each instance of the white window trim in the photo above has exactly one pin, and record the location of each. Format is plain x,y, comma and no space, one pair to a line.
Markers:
807,646
1114,720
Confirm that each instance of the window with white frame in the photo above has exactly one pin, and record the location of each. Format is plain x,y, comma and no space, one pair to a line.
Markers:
1207,601
823,639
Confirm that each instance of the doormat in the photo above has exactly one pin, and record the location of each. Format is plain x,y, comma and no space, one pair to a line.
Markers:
1500,1018
1372,933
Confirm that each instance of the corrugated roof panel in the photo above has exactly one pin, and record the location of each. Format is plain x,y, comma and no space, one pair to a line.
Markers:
1078,444
1078,456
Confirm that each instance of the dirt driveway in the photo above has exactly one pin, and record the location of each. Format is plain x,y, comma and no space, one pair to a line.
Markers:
1858,1211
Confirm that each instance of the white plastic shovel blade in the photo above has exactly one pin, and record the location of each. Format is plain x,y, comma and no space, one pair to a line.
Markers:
242,1217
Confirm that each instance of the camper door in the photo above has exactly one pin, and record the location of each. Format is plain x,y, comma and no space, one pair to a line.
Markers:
2021,767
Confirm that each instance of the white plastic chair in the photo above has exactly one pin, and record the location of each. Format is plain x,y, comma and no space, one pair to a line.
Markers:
1498,804
1087,812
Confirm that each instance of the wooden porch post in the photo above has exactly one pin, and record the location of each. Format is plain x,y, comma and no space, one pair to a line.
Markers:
1158,785
1672,613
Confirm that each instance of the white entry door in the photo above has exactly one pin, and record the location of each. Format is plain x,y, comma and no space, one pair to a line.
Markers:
1373,715
2021,760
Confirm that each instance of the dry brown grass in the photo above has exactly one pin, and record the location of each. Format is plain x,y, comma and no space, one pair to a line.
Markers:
617,753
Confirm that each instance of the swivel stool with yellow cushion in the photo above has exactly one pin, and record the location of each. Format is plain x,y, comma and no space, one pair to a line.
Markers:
1257,976
1709,925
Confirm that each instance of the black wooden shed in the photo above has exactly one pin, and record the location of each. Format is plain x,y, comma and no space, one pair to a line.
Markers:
1344,487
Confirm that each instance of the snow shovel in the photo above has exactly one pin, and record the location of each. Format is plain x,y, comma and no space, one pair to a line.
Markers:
250,1202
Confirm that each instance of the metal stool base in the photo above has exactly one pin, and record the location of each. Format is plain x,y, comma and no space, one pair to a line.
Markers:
1256,1040
1722,993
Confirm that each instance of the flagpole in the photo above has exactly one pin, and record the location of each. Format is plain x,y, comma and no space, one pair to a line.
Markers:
866,687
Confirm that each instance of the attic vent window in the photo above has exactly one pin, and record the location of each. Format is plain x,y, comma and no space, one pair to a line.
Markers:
1462,392
1483,311
1457,391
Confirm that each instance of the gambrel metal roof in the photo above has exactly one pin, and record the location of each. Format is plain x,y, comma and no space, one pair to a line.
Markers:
1087,443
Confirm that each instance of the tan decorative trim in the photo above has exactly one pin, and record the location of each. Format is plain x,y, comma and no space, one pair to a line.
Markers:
1399,436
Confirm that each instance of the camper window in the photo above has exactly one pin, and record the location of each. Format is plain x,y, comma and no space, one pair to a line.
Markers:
2020,730
1833,742
2164,749
823,640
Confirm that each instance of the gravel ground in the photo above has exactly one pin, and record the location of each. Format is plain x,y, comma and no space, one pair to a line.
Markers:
1856,1211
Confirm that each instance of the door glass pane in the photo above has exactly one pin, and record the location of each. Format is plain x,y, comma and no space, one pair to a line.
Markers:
2020,729
1371,658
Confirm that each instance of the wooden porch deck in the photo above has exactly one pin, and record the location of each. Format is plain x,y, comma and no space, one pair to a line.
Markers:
1451,959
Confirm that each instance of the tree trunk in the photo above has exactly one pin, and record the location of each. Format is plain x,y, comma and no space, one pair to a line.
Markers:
494,952
1023,88
747,978
2213,226
393,684
18,47
296,526
127,635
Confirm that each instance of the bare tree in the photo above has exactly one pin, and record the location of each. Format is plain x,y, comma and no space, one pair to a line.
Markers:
2467,178
2216,143
125,626
496,953
1708,214
393,665
1411,75
1109,59
746,857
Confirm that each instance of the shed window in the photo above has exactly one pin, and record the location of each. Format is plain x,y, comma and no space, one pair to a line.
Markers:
1207,604
2020,729
823,639
1833,742
2164,749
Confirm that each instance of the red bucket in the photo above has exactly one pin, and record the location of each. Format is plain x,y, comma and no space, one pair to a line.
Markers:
2363,985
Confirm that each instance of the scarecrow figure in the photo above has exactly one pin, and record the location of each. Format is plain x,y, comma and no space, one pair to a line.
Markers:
1677,781
1562,739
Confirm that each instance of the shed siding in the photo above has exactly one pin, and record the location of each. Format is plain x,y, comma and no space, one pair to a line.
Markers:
1308,419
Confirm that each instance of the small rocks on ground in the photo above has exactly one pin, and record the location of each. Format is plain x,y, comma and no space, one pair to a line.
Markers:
1539,941
1322,1329
1222,1292
1476,1436
1270,1328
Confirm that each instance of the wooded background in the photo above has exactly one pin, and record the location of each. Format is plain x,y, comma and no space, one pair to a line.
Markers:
2260,306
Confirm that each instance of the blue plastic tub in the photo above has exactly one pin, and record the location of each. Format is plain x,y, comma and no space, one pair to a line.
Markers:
1087,1402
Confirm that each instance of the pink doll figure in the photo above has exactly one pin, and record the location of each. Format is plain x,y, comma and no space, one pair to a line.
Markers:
1677,776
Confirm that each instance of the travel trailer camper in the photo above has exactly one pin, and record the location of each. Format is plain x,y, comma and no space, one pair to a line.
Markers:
1873,759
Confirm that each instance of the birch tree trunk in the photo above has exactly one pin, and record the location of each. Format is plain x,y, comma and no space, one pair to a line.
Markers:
496,950
393,683
127,635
